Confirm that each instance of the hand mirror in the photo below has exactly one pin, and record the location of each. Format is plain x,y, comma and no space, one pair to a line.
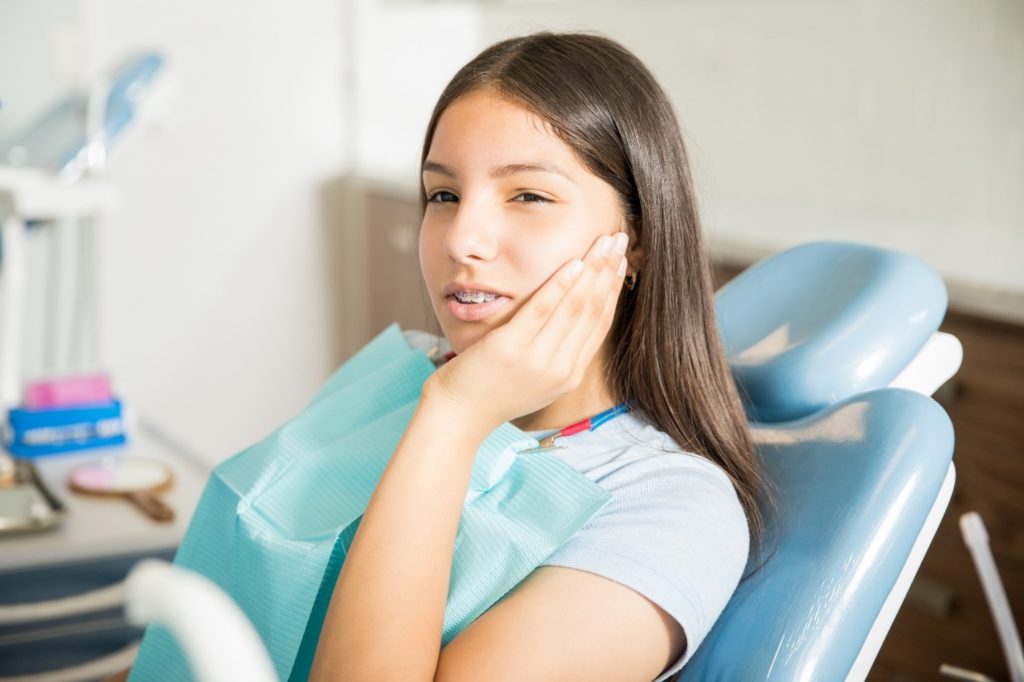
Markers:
130,477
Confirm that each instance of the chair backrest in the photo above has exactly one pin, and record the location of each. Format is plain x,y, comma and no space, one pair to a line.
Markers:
855,484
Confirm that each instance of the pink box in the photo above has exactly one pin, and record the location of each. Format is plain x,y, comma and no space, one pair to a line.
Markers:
81,390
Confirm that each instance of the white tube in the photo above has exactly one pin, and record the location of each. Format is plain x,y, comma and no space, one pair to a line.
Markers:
12,309
976,539
64,288
96,304
219,641
963,674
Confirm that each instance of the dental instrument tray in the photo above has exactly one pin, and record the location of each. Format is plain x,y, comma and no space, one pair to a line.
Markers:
26,503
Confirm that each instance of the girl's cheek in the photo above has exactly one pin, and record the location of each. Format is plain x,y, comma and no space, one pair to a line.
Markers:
430,256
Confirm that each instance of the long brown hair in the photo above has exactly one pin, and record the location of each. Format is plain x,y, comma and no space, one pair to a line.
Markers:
666,358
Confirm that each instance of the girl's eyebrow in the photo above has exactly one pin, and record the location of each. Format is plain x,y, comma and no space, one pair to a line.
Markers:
505,170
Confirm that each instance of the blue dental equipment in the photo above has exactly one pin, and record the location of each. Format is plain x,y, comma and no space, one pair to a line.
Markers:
60,140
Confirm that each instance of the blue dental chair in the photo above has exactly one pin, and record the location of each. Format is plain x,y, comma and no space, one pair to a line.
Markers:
836,350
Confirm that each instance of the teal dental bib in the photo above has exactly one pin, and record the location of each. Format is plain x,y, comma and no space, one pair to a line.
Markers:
275,521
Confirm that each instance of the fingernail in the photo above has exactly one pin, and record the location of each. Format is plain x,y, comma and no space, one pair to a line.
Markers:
575,268
622,267
620,243
605,246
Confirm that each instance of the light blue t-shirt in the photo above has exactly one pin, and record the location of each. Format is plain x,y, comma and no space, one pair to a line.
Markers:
674,530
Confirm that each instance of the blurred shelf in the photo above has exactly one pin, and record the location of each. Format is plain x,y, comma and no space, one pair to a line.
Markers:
97,527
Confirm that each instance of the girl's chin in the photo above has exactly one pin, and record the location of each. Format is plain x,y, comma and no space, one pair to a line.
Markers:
461,335
461,339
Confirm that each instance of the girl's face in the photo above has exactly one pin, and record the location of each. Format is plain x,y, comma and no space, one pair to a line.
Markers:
508,204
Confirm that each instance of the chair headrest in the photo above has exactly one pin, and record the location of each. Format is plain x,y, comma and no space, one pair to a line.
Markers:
824,321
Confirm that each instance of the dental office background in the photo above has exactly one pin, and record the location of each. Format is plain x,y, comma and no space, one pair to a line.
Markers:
265,220
235,275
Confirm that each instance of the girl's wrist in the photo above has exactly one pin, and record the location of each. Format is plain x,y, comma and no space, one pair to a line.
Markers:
463,419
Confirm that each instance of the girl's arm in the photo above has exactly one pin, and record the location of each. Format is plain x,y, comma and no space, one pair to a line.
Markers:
385,618
386,615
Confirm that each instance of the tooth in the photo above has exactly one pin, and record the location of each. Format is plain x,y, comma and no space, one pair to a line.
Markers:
475,296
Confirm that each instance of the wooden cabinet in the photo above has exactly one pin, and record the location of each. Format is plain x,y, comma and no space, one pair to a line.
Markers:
985,406
380,259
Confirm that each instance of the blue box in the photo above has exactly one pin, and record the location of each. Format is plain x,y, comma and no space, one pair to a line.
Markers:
34,433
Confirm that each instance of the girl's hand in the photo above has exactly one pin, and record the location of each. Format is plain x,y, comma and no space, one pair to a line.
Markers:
543,351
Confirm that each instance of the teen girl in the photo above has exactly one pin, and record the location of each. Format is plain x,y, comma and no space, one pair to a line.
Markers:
562,251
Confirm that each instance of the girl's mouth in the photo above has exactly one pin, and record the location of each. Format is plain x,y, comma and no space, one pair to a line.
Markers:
474,312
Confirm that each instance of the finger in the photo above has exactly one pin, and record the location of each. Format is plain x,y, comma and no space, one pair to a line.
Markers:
539,309
588,335
530,318
569,307
577,347
600,332
573,322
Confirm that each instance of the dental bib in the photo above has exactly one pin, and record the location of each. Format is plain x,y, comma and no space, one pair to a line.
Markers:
276,521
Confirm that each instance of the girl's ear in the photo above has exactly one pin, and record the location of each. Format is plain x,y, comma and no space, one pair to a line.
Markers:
635,253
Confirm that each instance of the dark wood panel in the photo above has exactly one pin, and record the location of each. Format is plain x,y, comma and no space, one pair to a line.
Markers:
921,639
396,288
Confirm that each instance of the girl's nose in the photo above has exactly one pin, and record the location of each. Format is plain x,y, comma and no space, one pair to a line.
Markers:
472,234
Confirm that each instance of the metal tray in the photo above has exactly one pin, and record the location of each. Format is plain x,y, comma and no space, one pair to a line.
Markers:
26,503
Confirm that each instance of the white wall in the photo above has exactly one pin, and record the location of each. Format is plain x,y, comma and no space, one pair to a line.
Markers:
36,58
221,304
403,54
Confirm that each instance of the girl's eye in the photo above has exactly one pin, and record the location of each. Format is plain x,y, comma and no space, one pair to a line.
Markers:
530,197
442,196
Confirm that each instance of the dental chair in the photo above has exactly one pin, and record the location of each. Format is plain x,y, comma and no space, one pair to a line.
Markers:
835,350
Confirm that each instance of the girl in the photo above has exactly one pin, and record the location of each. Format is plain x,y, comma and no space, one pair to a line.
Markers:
562,252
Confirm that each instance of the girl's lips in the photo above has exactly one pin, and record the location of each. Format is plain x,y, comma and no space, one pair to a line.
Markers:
474,312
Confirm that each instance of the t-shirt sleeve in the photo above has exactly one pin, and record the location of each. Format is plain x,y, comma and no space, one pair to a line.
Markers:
674,532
